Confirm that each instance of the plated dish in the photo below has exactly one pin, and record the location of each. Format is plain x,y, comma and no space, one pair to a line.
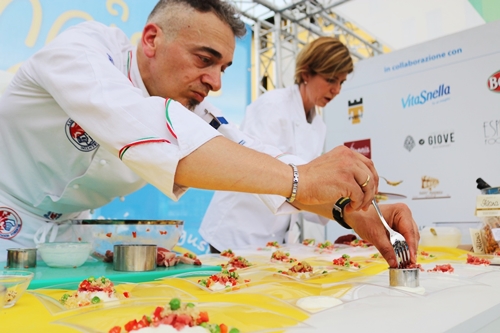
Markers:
246,318
175,316
100,292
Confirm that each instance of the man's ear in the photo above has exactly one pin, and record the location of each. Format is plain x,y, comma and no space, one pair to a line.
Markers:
149,39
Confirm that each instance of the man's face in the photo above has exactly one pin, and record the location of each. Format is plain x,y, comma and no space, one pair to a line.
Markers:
187,67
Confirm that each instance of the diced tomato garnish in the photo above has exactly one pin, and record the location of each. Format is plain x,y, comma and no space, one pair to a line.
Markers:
134,234
126,294
131,325
473,260
116,329
203,317
144,322
109,234
158,311
446,268
223,328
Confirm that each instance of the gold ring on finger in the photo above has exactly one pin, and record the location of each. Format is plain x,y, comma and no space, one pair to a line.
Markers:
366,182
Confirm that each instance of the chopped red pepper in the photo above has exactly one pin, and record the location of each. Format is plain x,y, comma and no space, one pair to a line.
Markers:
116,329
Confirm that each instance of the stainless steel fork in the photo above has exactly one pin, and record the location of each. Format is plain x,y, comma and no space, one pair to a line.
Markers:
397,240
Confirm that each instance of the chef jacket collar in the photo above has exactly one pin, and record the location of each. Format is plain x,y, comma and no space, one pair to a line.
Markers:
135,75
316,110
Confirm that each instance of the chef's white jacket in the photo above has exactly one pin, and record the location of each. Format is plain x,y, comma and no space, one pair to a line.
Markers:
277,118
78,129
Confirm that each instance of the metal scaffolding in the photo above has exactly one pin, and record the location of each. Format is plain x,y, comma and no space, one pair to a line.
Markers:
281,27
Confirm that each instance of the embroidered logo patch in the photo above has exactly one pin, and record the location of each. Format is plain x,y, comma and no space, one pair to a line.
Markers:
52,216
10,223
79,138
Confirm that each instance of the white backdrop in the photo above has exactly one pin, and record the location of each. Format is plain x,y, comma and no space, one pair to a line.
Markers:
430,118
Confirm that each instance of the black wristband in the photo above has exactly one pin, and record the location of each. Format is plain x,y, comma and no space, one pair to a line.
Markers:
338,211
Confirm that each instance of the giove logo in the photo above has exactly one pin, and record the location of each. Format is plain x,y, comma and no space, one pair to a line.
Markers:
425,96
494,82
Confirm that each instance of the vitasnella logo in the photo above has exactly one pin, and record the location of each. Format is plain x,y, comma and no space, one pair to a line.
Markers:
438,95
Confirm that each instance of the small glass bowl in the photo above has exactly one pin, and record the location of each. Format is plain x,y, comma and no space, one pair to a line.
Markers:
60,254
15,282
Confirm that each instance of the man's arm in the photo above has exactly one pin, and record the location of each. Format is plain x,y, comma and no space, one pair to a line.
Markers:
220,164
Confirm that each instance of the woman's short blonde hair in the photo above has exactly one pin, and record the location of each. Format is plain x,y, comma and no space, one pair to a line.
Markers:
325,56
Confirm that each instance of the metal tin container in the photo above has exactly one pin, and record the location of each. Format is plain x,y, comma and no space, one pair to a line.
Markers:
21,258
404,277
134,257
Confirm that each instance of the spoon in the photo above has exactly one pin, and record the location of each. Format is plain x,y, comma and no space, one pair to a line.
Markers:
391,182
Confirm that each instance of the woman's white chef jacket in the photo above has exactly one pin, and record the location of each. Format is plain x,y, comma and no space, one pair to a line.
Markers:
237,219
78,128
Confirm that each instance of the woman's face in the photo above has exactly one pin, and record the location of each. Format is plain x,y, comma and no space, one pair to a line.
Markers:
321,90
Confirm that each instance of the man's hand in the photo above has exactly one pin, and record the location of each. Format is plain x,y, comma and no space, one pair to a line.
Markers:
338,173
369,227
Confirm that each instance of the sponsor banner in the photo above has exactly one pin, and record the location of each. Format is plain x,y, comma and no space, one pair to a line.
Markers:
361,146
431,113
355,111
494,82
491,132
441,139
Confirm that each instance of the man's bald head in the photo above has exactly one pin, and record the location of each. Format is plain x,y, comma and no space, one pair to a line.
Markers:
172,15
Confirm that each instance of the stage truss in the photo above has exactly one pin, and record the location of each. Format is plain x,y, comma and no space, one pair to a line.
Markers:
280,29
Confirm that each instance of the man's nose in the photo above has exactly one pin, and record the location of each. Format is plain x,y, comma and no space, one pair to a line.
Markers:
213,79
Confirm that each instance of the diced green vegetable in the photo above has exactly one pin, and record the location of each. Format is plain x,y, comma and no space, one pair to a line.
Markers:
175,303
65,297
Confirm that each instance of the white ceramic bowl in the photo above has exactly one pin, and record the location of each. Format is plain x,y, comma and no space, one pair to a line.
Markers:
64,254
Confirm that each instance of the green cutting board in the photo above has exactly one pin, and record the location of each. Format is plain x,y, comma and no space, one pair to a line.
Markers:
47,276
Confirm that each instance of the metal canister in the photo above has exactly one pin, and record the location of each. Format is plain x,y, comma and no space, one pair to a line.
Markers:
134,257
404,277
21,258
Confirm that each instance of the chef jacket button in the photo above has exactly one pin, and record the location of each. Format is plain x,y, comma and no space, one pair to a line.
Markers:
122,198
103,162
76,186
